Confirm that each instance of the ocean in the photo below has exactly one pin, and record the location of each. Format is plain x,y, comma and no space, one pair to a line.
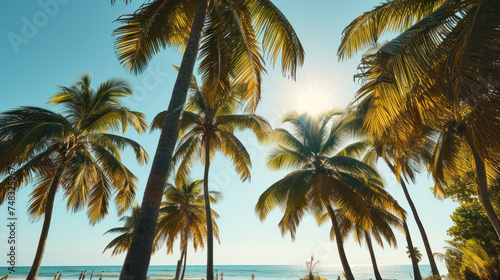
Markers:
231,272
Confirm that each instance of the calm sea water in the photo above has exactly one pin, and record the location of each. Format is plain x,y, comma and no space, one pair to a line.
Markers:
231,272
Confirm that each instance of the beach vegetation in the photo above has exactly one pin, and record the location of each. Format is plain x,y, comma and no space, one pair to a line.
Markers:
230,40
76,152
208,126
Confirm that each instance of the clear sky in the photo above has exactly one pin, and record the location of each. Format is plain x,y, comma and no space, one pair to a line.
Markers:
52,42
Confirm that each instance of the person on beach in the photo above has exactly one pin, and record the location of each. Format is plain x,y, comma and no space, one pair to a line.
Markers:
57,274
84,274
60,276
81,274
253,277
91,275
221,275
100,276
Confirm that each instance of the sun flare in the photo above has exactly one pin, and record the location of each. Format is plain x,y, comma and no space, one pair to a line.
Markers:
313,101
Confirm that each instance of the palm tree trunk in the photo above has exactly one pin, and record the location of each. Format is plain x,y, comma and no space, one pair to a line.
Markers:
135,266
206,194
49,205
179,266
482,187
428,250
185,260
414,261
372,256
340,245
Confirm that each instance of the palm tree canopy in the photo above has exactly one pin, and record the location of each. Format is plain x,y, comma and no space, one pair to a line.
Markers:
183,212
122,242
441,72
231,45
383,224
217,120
418,255
35,141
324,173
469,258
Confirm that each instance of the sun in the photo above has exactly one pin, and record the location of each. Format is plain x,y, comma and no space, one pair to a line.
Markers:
313,101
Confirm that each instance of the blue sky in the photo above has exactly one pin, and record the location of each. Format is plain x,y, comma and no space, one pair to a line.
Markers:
52,42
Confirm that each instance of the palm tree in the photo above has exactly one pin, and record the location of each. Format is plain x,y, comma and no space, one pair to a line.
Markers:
310,267
183,215
228,35
412,255
122,242
208,126
415,251
324,177
440,72
383,222
403,154
466,260
74,152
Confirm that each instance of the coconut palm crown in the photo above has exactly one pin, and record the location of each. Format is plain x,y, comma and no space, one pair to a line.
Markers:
73,151
183,218
208,125
325,176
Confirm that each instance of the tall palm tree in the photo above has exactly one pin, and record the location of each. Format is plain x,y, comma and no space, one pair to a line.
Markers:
227,36
412,255
207,126
324,177
74,152
383,222
122,242
182,216
403,160
441,72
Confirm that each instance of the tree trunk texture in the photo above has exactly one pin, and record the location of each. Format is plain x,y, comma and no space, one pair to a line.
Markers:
482,187
135,266
340,245
414,261
179,266
185,261
425,240
49,206
206,194
372,256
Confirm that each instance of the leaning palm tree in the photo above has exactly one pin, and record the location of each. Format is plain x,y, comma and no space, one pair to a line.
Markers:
208,126
324,177
182,216
227,35
73,152
441,72
403,152
405,168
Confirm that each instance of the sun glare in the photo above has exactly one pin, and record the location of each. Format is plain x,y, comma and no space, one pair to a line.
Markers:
313,101
315,92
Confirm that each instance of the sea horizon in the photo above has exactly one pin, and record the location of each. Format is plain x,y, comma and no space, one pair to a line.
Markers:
231,272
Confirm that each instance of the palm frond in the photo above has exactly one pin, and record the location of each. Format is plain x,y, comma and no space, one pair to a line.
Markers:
153,26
